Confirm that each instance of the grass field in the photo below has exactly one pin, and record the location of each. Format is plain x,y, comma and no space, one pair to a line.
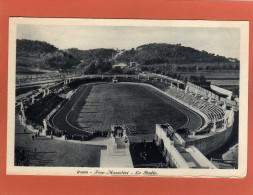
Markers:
99,106
109,104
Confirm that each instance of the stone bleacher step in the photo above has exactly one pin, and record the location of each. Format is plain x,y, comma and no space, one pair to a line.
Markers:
119,151
122,155
121,146
116,155
119,140
35,162
120,143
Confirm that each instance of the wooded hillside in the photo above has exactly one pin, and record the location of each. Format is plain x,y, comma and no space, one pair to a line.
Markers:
167,53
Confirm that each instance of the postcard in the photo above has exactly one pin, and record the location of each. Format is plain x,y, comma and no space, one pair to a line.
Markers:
121,97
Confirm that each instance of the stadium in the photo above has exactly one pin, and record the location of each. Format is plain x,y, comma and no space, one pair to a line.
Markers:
144,120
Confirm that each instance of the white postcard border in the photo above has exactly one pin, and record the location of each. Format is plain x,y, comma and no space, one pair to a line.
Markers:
81,171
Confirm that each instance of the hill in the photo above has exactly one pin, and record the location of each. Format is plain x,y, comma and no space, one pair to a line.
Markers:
162,53
35,48
38,56
92,55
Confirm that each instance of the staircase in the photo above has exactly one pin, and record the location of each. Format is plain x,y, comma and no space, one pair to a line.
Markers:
39,159
117,154
120,143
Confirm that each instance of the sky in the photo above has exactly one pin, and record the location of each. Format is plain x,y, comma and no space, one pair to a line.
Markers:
220,41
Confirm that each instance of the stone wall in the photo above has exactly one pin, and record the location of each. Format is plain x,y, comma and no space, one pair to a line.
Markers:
209,143
170,153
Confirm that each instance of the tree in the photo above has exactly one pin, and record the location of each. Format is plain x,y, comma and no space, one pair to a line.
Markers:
207,68
224,67
183,68
202,78
185,79
193,78
178,68
90,69
230,66
168,73
107,66
117,70
199,68
174,75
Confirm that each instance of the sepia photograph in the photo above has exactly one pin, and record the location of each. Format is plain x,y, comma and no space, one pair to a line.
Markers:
127,97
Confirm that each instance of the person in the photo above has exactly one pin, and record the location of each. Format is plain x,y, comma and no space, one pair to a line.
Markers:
188,133
33,137
36,136
24,130
35,149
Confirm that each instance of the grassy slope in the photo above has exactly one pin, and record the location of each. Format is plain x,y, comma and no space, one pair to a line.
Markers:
52,152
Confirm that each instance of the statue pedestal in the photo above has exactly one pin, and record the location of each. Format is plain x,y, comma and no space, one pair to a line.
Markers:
23,121
44,132
20,118
45,127
214,128
63,138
